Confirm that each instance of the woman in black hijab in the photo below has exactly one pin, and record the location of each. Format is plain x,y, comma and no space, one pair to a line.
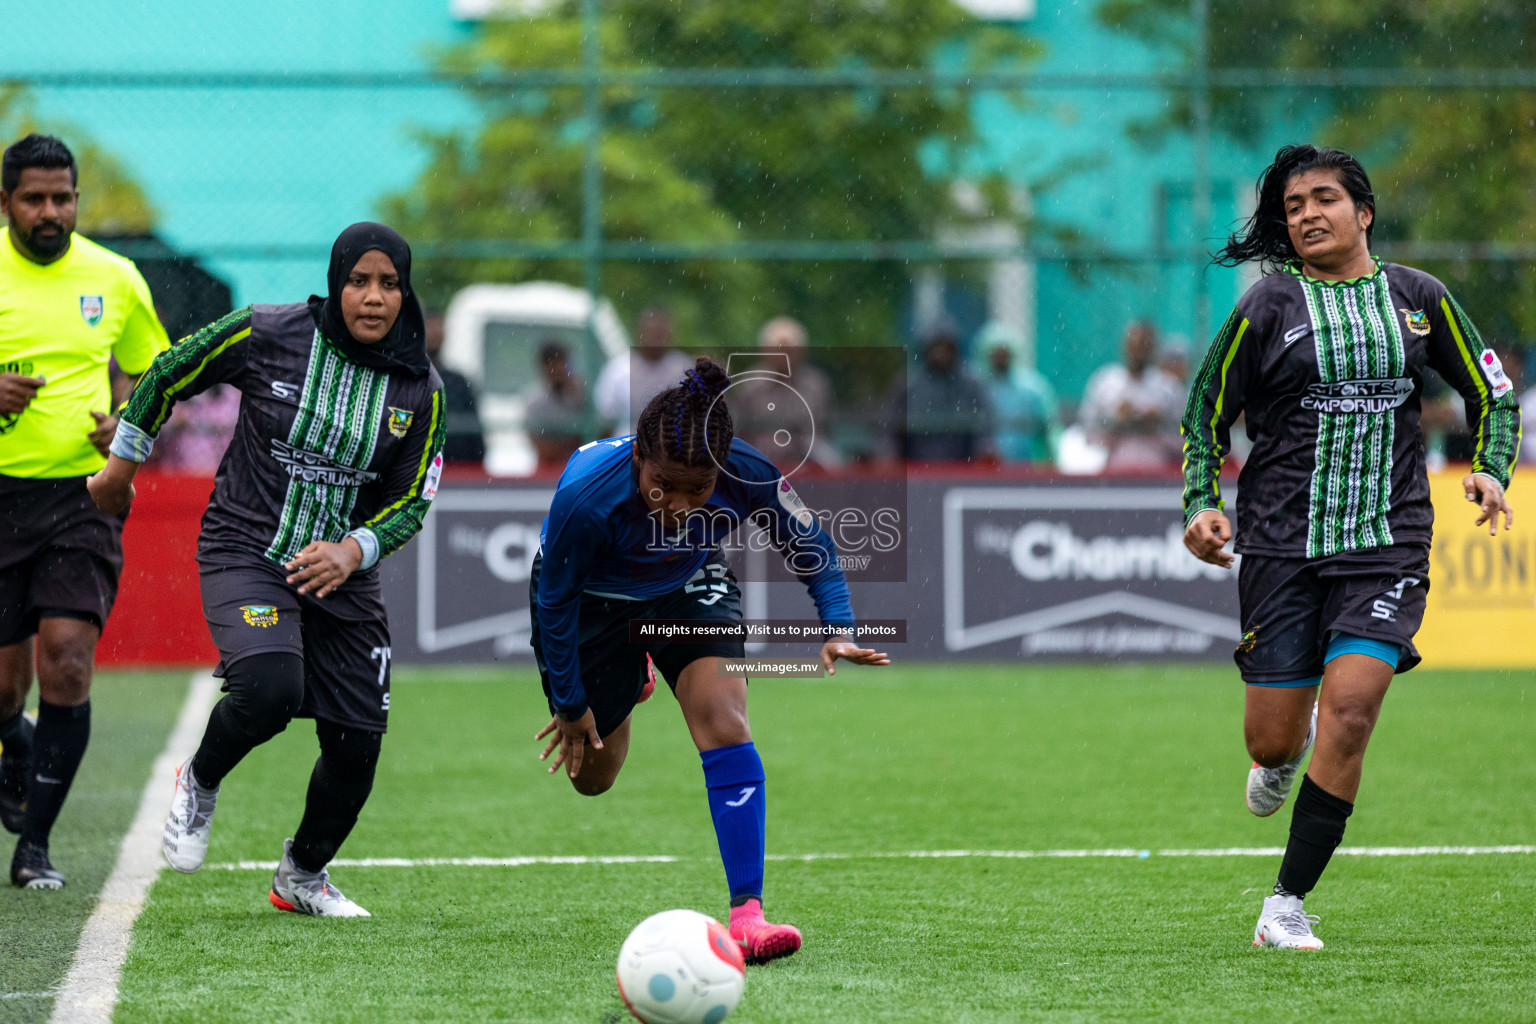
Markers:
335,460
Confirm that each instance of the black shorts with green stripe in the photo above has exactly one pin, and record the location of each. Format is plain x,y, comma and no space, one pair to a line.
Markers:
1292,607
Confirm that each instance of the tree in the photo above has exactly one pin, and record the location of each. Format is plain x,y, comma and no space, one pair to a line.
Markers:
111,202
704,165
1452,165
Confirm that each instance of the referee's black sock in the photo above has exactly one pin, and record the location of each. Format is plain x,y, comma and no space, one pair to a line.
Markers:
1317,828
338,788
57,747
15,742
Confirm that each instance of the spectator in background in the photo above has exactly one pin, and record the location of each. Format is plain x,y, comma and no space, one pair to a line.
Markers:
1023,406
1133,408
948,416
556,418
465,441
1173,358
751,398
193,441
630,379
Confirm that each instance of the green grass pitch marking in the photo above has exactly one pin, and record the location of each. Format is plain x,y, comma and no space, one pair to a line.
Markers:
910,758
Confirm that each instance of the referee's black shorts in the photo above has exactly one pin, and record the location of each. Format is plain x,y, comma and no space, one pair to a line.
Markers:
1292,607
60,556
343,637
613,670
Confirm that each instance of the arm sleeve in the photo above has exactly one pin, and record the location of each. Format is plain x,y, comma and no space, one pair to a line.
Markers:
809,551
572,540
142,337
1457,353
410,484
1216,399
214,355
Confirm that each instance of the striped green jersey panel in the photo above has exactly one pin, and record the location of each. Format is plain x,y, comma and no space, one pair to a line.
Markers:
340,408
1357,338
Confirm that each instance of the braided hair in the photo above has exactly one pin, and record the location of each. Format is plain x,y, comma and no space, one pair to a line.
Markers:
688,423
1264,238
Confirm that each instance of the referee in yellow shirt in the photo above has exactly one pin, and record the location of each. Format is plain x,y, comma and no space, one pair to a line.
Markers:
67,306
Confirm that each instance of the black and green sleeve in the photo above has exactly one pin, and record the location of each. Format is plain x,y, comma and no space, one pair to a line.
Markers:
1216,398
409,485
1458,354
214,355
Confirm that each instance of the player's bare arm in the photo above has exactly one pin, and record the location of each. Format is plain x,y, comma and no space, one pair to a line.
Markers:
17,391
1207,535
322,566
1485,492
111,487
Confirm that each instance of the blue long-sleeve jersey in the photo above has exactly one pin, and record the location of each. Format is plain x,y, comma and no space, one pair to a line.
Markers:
599,538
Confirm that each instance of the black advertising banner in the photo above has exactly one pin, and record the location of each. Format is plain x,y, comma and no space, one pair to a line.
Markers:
1045,569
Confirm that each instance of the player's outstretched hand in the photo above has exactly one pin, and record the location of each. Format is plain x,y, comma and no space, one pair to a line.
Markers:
571,738
105,430
17,392
111,488
849,651
322,566
1208,533
1489,496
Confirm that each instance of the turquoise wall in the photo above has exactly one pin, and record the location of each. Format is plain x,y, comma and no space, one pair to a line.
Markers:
248,167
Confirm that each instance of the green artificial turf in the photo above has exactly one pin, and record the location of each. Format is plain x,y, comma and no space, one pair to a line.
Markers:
131,715
911,758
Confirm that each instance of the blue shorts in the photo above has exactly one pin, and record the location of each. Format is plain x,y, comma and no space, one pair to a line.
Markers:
613,669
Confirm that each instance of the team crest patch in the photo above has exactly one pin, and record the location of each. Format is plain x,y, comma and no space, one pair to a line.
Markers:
400,420
1248,640
262,615
1418,321
91,309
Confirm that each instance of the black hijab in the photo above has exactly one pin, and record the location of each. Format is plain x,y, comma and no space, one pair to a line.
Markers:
404,348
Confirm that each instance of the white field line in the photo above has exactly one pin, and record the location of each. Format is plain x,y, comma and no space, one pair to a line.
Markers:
1229,851
89,990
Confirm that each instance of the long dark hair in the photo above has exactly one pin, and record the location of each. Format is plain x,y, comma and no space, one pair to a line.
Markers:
1264,237
688,423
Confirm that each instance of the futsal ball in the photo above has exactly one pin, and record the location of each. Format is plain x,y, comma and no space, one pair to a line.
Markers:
681,967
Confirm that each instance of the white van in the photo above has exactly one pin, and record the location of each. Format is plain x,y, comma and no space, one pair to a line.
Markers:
492,334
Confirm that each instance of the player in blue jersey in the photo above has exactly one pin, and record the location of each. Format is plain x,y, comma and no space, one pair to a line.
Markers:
634,532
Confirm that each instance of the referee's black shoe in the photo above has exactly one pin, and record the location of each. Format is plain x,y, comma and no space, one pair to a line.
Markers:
31,869
13,800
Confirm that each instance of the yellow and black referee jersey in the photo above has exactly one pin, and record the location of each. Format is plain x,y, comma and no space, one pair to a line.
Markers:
63,321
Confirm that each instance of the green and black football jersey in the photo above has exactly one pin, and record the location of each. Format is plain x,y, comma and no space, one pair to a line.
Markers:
1329,374
323,446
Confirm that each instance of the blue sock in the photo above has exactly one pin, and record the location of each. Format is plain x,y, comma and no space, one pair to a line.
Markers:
734,776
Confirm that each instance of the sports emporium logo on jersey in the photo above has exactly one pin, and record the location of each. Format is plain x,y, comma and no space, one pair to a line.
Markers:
400,420
1417,320
262,615
91,309
1354,397
314,468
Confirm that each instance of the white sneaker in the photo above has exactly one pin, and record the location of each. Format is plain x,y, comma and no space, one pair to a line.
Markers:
190,821
305,893
1283,925
1268,787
